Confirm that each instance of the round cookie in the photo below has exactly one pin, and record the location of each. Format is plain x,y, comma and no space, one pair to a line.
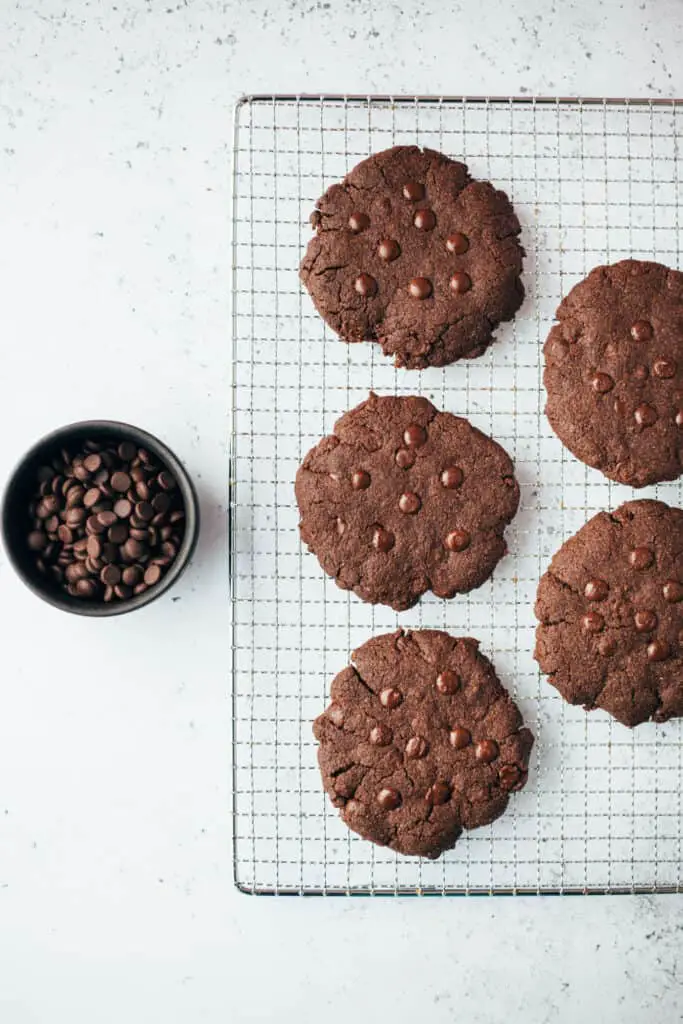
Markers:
420,741
402,499
610,609
613,372
413,253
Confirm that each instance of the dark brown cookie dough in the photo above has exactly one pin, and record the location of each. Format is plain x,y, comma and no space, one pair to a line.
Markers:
420,741
402,499
409,251
613,372
610,608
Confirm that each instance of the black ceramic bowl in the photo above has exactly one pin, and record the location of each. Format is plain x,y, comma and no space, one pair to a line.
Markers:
21,489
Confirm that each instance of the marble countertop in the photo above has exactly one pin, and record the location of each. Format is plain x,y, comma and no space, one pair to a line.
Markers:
116,894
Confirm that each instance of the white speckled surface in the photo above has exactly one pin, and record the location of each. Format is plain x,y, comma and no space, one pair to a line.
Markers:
116,897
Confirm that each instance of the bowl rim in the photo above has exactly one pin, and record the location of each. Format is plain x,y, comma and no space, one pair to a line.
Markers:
98,609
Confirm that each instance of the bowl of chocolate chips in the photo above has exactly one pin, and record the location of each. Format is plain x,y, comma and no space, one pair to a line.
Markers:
99,518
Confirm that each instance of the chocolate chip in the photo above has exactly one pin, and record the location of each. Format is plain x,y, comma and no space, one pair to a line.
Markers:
93,462
94,547
460,282
457,540
602,383
460,737
390,698
417,747
106,519
486,751
65,534
86,588
360,480
438,793
420,288
120,481
127,451
144,511
664,368
76,571
413,190
118,533
404,458
389,799
134,549
448,682
152,575
168,550
409,503
509,776
593,622
645,621
457,243
596,590
91,497
641,330
359,222
123,592
365,285
381,735
424,220
645,415
641,558
37,540
452,477
48,506
142,490
80,548
110,575
388,250
123,508
673,591
383,539
109,552
131,575
658,650
75,496
415,435
161,503
76,516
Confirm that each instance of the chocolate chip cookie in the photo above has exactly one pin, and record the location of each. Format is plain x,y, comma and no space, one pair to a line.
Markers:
610,608
613,368
402,499
420,741
411,252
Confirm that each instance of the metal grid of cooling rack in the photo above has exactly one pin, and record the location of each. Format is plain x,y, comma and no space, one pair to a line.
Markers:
592,181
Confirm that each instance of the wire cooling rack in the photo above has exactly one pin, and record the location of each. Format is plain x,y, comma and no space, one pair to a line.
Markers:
592,181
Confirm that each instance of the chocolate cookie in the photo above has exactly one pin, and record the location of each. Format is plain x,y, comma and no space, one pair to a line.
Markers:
402,499
613,368
420,741
611,614
413,253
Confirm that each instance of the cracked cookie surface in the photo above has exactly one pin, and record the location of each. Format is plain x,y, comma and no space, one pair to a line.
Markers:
614,372
610,609
402,499
413,253
420,741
